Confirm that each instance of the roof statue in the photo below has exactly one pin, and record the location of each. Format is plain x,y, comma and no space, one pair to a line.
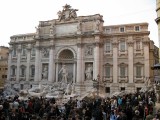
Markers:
67,13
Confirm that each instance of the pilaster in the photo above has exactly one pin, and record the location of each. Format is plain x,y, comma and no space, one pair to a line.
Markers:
18,62
115,62
57,72
37,59
130,61
79,63
146,58
96,59
51,63
28,62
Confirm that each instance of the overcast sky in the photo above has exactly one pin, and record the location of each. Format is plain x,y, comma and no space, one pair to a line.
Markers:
22,16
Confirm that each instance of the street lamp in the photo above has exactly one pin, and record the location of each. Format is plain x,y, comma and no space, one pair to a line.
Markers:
96,84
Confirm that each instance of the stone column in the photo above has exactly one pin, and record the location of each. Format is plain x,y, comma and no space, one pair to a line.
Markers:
130,61
79,63
40,64
96,57
57,72
28,62
37,59
9,64
74,73
51,77
96,60
51,64
146,58
101,69
18,62
115,62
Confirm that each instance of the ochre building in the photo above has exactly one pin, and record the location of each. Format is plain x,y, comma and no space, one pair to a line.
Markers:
3,65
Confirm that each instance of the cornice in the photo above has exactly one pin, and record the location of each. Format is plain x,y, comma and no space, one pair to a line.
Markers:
141,33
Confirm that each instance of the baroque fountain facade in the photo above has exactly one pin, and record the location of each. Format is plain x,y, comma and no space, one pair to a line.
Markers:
64,55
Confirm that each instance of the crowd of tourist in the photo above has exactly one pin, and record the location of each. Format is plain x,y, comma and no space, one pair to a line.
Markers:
137,106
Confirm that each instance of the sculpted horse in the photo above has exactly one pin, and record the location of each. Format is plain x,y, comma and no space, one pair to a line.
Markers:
37,91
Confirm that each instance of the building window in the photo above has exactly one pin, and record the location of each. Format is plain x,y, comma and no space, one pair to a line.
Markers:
32,71
108,47
23,51
13,72
138,47
107,90
14,52
108,71
122,71
121,29
122,88
122,46
4,76
108,30
137,28
138,71
33,51
23,70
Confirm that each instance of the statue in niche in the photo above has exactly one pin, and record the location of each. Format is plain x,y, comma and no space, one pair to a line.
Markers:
45,53
52,30
64,73
37,30
97,24
88,72
45,73
79,26
89,51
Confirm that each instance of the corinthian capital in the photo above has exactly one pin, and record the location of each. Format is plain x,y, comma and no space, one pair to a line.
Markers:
115,44
130,43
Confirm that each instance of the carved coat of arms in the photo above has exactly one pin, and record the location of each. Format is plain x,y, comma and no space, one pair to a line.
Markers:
67,13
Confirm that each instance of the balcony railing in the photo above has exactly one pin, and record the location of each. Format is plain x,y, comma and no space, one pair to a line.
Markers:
108,79
123,52
123,79
139,79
